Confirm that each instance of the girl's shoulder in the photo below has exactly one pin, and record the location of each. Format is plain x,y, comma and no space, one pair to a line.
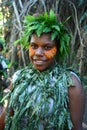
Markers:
17,74
22,73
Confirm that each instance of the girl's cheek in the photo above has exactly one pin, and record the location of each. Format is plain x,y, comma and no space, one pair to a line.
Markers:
31,51
51,53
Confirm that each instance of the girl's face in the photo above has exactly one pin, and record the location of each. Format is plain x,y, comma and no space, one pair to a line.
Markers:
42,51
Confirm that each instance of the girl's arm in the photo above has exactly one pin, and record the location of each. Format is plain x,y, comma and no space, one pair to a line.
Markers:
76,103
3,114
2,117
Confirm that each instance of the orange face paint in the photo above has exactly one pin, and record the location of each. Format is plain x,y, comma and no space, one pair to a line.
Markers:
51,53
31,51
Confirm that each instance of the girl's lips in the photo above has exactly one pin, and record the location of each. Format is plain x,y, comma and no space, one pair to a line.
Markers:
39,62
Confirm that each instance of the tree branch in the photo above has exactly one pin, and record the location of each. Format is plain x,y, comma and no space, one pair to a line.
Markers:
77,24
20,28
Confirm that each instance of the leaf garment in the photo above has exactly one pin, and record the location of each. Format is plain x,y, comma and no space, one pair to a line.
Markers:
40,100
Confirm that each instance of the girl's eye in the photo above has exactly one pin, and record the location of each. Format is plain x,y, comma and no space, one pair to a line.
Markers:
47,47
34,46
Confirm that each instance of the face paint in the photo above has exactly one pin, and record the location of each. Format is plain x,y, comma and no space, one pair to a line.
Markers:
51,53
31,51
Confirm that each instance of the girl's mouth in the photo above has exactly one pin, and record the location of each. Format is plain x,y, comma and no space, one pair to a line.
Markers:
39,62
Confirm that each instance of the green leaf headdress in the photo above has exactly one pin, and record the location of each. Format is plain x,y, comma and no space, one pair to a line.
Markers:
46,23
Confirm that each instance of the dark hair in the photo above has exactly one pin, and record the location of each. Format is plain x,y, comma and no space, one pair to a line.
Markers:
1,46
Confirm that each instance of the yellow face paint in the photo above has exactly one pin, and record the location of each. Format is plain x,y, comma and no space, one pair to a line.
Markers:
31,51
51,53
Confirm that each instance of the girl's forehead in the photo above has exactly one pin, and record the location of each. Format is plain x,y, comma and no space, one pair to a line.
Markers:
44,38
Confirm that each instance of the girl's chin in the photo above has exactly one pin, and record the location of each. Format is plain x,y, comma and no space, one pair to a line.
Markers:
40,67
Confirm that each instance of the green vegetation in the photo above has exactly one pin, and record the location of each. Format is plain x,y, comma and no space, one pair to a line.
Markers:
46,23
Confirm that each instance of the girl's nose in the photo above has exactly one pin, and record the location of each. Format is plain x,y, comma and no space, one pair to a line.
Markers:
39,51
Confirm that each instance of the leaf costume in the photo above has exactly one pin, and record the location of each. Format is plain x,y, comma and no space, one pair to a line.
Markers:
40,100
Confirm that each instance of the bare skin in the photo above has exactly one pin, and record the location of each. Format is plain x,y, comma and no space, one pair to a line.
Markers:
41,45
2,115
76,103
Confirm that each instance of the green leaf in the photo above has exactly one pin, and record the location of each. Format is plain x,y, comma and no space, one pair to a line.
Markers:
46,29
67,19
56,27
16,42
66,38
46,15
52,15
62,46
31,28
29,18
54,35
30,24
40,29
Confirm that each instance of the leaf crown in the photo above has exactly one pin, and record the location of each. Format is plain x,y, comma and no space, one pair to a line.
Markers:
47,23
